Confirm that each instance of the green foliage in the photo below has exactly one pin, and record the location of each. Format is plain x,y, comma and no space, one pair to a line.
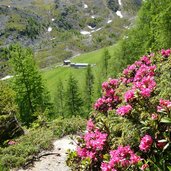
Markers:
31,95
59,99
33,28
113,5
105,62
150,32
67,126
24,148
89,83
7,100
36,140
74,102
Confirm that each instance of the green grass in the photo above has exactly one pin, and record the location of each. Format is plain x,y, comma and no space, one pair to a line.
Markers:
53,75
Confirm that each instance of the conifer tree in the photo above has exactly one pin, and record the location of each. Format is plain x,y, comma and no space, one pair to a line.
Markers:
59,100
89,82
31,95
105,62
74,101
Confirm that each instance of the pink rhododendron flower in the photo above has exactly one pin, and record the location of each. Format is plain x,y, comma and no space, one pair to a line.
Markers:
94,143
154,116
90,125
124,110
166,53
121,157
11,142
164,104
146,60
146,143
144,166
129,95
160,144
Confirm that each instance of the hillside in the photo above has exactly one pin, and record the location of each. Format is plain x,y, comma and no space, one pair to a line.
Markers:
57,30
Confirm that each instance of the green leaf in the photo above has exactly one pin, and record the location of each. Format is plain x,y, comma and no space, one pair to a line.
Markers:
166,120
169,167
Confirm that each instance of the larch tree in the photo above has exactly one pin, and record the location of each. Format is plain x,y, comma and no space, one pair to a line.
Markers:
74,101
31,94
89,83
59,99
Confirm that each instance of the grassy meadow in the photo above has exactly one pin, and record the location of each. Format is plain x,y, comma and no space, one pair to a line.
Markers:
53,75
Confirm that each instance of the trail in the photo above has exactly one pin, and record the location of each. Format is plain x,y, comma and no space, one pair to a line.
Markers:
54,162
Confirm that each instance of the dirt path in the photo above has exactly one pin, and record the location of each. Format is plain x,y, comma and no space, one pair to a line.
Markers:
54,162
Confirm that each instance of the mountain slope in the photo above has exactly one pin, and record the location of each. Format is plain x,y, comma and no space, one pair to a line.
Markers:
57,30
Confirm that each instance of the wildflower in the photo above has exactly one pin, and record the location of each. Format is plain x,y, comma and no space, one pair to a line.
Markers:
124,110
144,166
146,143
129,95
154,116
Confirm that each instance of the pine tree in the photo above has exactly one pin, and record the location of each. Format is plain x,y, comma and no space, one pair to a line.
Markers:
105,60
74,102
89,82
31,95
59,100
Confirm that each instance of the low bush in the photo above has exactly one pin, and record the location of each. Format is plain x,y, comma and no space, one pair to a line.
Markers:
15,153
130,128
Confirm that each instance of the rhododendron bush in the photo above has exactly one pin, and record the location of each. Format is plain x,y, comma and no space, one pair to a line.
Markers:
130,127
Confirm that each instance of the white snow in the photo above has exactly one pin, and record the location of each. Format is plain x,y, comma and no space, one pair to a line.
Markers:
119,14
85,32
92,16
109,21
85,6
98,29
119,1
127,27
53,19
53,38
9,6
7,77
49,29
91,27
125,37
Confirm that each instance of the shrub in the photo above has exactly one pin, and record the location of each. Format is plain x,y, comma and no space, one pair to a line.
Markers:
134,114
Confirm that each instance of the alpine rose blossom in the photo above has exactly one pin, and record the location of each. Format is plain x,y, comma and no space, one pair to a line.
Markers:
123,156
166,53
146,143
129,95
144,166
124,110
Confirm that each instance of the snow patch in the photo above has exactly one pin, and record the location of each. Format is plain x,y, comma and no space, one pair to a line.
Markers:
53,19
9,6
127,27
118,13
98,29
109,21
119,1
125,37
85,32
91,27
7,77
49,29
53,38
85,6
92,16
